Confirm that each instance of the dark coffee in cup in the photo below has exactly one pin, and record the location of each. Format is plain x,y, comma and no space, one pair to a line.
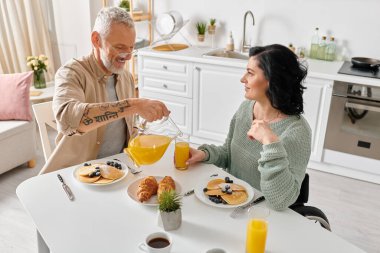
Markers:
158,243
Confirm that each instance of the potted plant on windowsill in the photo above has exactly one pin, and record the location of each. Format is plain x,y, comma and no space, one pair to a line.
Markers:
169,205
212,26
201,27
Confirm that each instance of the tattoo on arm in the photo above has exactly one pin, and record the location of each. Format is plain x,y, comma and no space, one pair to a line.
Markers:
86,119
106,106
107,109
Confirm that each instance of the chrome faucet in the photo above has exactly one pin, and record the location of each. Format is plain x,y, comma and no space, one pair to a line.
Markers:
245,47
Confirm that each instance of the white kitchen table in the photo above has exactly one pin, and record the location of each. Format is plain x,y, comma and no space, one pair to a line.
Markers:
105,219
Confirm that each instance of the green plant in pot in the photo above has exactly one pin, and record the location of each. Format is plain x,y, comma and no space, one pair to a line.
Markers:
201,28
169,205
212,26
124,4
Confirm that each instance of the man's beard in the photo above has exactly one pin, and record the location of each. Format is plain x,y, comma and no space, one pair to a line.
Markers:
108,64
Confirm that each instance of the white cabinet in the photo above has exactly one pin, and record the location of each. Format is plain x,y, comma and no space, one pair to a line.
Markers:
180,108
165,76
170,82
217,95
317,98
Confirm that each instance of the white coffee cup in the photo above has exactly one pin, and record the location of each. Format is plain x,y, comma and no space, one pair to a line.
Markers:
158,242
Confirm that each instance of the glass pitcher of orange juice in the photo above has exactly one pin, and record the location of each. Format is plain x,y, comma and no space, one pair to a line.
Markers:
150,141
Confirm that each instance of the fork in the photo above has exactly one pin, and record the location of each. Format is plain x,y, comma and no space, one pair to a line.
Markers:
242,209
190,192
132,170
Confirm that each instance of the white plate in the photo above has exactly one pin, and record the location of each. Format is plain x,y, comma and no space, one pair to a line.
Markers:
123,166
198,191
134,186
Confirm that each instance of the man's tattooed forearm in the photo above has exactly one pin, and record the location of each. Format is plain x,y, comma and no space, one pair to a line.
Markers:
119,104
100,118
107,108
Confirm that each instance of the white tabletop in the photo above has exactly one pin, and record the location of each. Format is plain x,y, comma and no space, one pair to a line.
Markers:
46,95
105,219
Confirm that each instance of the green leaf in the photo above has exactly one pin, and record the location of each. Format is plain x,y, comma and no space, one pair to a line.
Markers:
201,27
169,201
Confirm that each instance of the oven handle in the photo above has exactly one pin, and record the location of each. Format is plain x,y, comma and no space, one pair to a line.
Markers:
363,107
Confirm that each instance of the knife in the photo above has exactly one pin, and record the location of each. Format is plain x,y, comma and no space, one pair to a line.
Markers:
66,188
256,201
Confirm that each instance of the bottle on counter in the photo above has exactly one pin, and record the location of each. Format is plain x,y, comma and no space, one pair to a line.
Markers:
230,43
314,44
291,47
331,50
322,49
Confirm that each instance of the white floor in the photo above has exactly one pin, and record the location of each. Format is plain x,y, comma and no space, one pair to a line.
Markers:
352,206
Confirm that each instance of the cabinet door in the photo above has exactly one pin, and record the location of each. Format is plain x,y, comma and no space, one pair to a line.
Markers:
217,95
317,98
181,108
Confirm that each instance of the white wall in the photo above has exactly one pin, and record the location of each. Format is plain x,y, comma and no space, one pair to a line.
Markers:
354,23
72,27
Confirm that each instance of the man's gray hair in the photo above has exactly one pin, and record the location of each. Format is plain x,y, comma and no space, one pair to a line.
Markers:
111,15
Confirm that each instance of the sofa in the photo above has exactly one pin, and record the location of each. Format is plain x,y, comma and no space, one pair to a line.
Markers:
17,144
17,125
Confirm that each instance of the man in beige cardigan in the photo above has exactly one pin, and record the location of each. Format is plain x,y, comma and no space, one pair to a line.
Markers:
94,100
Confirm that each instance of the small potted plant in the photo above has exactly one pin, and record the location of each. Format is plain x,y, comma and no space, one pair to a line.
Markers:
169,205
201,27
124,4
212,26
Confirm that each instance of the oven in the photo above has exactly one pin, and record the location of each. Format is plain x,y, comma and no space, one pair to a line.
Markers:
354,120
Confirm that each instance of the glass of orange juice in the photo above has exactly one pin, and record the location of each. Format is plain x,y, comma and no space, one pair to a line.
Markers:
257,230
181,152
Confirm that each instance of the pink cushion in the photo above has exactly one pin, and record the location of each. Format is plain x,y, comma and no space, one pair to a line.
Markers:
14,96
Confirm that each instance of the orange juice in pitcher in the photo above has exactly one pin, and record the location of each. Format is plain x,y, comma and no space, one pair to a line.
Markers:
148,149
151,140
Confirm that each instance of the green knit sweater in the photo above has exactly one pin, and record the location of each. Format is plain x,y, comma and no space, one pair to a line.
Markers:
276,169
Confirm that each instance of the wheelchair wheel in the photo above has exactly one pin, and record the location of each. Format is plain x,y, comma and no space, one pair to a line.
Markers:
313,213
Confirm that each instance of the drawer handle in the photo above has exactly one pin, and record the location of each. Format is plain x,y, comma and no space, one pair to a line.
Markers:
165,86
165,67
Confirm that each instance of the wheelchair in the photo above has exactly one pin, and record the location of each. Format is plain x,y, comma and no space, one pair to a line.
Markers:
310,212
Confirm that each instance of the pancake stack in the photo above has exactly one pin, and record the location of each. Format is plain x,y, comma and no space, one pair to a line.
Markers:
225,191
98,173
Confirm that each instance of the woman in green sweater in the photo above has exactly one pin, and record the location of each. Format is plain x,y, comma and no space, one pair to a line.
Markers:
269,142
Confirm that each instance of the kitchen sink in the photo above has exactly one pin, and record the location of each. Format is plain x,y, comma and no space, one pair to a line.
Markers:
222,53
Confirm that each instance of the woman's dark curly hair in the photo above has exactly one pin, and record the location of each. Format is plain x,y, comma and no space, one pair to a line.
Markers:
285,75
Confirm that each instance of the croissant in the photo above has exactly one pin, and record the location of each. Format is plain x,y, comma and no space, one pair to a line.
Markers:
147,188
166,184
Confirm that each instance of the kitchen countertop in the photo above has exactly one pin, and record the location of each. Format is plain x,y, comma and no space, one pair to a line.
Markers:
317,68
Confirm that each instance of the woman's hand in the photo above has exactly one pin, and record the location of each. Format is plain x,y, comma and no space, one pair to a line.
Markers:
261,131
196,156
